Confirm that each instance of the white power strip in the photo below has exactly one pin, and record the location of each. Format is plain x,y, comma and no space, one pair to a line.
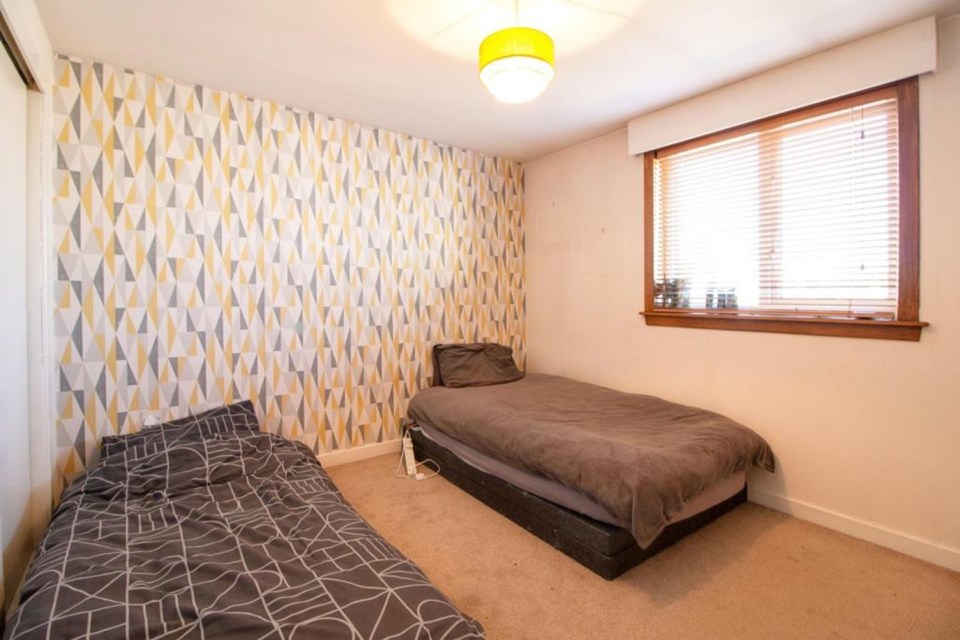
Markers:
408,458
409,462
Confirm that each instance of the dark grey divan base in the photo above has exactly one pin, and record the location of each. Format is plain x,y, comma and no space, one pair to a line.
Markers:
606,550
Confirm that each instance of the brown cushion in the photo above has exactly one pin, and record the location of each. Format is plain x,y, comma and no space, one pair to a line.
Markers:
473,365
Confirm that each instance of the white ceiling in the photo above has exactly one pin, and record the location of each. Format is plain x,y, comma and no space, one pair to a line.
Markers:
410,65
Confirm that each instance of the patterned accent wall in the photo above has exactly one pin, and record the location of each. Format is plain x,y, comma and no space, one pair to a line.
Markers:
212,248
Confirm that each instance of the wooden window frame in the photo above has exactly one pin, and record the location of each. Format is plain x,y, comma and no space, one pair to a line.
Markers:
906,326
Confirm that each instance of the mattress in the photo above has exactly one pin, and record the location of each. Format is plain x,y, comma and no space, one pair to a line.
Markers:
211,528
607,550
567,497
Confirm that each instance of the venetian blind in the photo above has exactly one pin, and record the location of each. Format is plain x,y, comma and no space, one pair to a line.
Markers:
799,215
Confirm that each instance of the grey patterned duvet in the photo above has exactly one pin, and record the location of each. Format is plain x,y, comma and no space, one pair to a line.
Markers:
208,528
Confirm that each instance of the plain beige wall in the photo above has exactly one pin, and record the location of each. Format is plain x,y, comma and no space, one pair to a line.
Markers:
866,432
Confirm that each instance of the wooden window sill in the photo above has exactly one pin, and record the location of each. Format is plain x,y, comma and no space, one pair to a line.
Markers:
817,326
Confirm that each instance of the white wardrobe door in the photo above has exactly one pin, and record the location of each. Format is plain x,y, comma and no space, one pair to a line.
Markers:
15,515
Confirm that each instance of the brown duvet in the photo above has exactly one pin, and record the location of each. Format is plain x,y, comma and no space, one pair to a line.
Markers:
641,457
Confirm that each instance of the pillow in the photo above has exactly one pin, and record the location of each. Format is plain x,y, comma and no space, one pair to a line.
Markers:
473,365
221,420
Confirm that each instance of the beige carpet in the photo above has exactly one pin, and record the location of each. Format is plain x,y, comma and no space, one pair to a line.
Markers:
754,573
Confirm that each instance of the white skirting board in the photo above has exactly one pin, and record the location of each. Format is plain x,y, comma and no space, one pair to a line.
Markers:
906,544
343,456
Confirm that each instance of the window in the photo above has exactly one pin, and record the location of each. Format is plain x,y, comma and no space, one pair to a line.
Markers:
806,222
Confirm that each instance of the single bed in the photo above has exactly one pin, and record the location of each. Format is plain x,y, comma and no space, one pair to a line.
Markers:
609,478
207,527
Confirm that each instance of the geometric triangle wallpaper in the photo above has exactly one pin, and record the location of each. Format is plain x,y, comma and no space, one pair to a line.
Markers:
212,248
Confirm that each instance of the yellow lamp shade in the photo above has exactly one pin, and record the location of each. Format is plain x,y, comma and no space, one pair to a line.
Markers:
516,64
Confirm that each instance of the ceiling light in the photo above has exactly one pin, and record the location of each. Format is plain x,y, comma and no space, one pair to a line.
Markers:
516,64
